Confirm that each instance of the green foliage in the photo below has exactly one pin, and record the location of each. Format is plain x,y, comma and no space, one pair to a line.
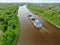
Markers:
50,13
9,24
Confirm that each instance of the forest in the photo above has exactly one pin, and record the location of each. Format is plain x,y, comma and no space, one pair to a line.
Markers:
9,24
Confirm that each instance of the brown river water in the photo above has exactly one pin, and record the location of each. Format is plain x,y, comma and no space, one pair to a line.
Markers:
30,35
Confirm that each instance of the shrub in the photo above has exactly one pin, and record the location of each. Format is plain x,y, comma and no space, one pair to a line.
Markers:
50,14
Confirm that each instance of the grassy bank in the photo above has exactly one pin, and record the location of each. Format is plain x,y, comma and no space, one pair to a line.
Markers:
9,25
50,13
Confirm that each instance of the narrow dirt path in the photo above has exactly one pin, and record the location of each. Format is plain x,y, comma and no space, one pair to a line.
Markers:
48,35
